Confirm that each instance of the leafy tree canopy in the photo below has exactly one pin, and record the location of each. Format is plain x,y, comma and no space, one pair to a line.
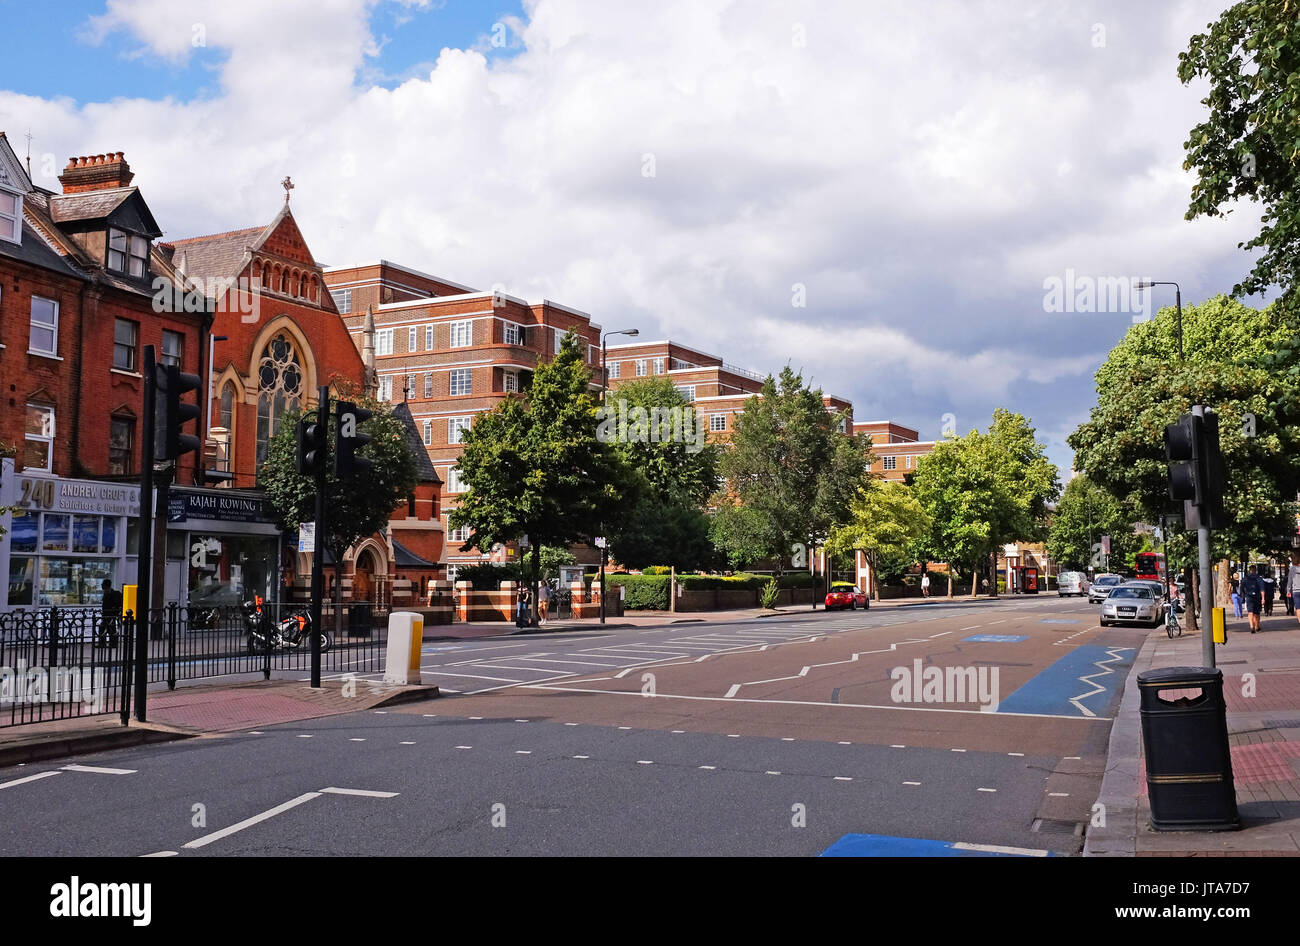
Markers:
1084,514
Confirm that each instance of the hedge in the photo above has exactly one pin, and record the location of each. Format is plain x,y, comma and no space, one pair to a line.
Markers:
643,592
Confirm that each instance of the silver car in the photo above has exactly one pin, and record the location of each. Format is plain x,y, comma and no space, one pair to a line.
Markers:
1132,603
1101,586
1071,583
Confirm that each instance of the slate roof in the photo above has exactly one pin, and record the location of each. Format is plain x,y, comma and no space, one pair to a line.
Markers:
91,205
35,251
221,255
405,558
424,470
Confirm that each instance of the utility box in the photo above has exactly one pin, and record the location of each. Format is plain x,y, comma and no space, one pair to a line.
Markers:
1185,738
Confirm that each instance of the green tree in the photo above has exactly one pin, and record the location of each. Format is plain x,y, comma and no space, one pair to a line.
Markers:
887,522
660,437
534,465
791,468
353,509
1085,513
983,490
1247,147
1240,361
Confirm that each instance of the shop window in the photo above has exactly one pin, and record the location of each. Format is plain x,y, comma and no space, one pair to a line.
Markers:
279,380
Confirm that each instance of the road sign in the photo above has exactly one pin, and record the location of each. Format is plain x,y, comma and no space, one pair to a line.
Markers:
307,537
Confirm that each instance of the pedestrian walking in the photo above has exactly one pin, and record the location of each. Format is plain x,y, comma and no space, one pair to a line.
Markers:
925,585
543,600
1270,591
522,618
110,612
1236,597
1293,586
1252,593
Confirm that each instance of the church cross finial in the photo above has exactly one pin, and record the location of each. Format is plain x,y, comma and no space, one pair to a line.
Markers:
287,184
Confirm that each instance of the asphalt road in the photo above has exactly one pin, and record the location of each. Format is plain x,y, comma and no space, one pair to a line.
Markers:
789,736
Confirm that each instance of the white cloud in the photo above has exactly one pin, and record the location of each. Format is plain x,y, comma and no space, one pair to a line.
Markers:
920,168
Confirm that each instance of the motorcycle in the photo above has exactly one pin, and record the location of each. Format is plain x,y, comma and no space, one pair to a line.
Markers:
291,632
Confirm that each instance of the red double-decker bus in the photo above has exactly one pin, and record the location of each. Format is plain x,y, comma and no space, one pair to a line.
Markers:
1151,565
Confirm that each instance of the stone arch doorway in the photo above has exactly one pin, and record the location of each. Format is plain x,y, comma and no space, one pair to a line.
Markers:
363,577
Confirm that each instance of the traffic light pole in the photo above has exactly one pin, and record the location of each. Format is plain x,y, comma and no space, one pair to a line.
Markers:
1207,577
318,553
144,560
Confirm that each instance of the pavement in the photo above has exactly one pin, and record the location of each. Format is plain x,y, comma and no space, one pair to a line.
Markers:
1261,674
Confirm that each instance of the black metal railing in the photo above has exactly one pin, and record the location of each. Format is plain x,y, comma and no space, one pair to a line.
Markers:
61,663
41,647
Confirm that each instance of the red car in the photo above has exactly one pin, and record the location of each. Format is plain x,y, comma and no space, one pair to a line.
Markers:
844,595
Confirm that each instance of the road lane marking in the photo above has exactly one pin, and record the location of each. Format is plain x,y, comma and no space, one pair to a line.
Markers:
1016,753
406,743
523,752
896,746
843,778
956,750
644,762
582,757
357,739
986,789
735,688
28,778
999,849
911,783
249,822
98,770
709,767
1058,794
161,854
462,747
360,792
771,773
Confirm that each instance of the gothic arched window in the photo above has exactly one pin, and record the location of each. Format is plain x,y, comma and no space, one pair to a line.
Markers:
279,388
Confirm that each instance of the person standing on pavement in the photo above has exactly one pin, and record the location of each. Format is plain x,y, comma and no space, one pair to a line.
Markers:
110,612
1293,585
522,618
1252,593
925,584
1270,589
543,599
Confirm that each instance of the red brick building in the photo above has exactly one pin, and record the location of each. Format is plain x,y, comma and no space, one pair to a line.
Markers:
450,353
896,448
79,272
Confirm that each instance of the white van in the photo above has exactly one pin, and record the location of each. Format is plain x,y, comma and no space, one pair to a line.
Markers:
1071,583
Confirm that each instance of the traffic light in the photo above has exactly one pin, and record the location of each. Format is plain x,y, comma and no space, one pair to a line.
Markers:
1196,471
350,439
1182,447
171,415
312,446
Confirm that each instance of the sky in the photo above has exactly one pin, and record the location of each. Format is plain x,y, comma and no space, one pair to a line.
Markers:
892,198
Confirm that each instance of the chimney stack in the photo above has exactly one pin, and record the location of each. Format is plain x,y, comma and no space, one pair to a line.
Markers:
96,172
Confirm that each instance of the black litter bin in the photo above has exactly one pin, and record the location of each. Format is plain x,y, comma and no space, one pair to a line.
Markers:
360,618
1185,737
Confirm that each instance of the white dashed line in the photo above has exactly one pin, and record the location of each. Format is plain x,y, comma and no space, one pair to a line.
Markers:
98,770
464,747
1058,794
1021,754
356,739
846,743
733,735
897,747
986,789
787,738
570,724
843,778
709,767
678,732
735,688
582,757
644,762
523,752
956,750
304,736
29,778
911,783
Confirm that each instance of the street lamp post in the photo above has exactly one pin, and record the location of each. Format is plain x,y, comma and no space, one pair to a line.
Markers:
604,383
1178,305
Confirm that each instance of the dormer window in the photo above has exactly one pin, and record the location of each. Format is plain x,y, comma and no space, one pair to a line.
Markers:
128,253
11,217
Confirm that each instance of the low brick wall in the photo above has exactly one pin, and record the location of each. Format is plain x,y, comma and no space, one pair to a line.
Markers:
729,599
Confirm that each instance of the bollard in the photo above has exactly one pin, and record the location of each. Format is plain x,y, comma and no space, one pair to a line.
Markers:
405,632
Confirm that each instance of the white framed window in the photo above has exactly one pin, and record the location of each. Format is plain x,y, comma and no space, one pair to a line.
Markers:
458,535
640,368
342,300
412,337
125,335
454,482
460,382
511,382
615,369
11,217
428,433
44,339
687,391
384,342
907,462
428,384
842,425
514,334
592,352
128,253
456,426
428,338
462,334
559,340
717,422
659,366
386,388
39,452
173,348
890,463
410,385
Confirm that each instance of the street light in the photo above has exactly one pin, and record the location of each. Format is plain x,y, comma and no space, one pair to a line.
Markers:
604,383
1178,303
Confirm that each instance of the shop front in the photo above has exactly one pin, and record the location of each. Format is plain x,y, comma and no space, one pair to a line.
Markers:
64,537
223,547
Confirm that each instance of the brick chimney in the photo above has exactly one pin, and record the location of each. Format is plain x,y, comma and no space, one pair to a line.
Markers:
95,172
